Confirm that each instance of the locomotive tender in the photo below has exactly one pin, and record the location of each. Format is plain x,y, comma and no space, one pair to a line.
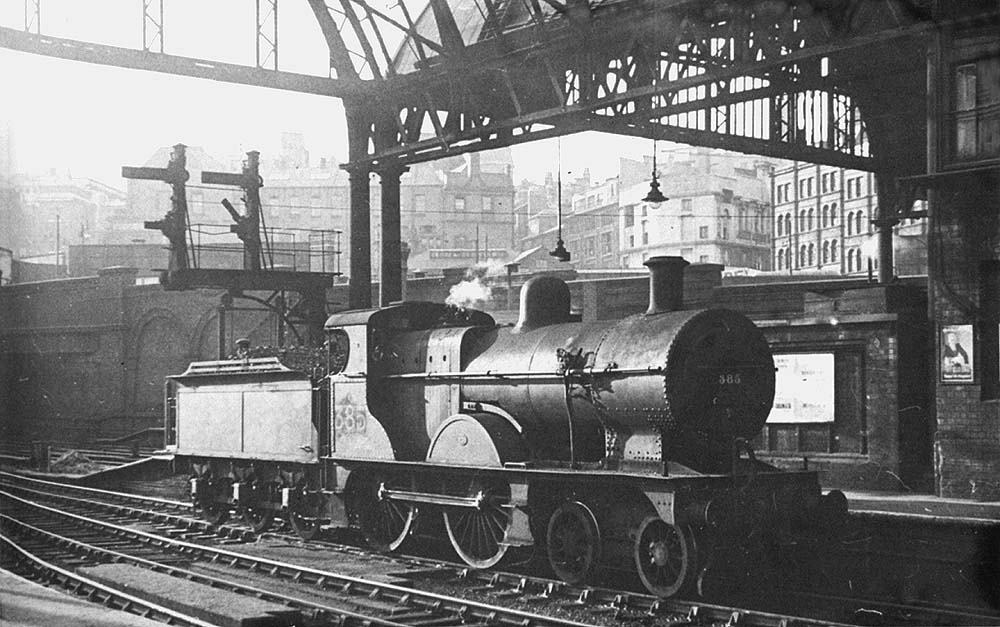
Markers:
610,444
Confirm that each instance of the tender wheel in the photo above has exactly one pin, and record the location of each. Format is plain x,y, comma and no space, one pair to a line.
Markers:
664,556
477,533
305,517
574,542
259,519
385,523
215,512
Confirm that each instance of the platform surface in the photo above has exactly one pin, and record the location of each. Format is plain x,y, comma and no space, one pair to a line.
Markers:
922,506
25,603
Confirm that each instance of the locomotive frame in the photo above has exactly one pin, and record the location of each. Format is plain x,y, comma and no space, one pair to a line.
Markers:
554,435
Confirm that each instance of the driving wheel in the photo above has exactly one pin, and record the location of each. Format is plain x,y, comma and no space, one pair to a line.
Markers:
664,556
477,533
574,542
386,523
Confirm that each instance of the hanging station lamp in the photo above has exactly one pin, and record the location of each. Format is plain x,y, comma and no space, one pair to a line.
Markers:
560,251
654,196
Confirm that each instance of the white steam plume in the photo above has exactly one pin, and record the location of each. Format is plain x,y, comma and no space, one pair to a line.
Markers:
475,290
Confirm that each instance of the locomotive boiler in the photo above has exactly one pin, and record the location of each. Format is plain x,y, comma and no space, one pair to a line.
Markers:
618,445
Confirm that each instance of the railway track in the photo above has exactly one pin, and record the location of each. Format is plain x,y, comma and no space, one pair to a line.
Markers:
411,601
174,520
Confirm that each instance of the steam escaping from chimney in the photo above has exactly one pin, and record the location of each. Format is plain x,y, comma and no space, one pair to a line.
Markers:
475,290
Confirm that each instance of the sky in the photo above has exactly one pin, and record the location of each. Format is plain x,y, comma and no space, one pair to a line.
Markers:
90,120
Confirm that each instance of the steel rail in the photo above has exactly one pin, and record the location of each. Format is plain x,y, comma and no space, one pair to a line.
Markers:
326,580
109,597
224,531
507,584
317,610
150,500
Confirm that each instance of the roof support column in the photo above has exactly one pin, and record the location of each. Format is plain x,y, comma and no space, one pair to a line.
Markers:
391,282
360,290
358,128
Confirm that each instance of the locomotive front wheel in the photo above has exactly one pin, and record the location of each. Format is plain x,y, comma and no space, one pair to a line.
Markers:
664,556
477,533
385,523
574,542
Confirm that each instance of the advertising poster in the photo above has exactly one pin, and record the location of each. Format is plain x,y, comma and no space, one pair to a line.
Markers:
956,353
803,388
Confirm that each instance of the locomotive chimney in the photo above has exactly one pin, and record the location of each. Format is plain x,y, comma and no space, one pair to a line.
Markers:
666,284
544,300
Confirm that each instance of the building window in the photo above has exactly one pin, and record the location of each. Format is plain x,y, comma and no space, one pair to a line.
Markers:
812,254
645,238
459,204
809,221
826,252
824,184
703,259
703,232
788,223
850,223
629,217
976,114
826,215
605,243
858,221
833,250
777,192
780,221
781,259
687,206
631,241
833,214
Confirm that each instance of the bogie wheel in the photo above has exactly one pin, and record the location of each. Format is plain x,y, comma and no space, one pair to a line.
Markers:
385,523
573,539
665,556
477,533
305,516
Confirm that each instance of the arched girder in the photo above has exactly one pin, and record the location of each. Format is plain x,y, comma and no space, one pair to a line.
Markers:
760,72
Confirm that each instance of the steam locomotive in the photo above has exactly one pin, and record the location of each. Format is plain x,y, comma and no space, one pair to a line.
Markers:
605,445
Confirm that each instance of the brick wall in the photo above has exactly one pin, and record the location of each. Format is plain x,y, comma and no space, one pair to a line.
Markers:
965,232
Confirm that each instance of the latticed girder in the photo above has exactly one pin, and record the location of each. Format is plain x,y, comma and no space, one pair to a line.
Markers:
761,77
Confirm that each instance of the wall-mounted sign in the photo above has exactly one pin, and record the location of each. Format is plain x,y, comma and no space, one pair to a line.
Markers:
956,353
803,388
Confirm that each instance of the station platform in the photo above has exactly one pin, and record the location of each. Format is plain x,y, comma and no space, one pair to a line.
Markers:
923,506
25,603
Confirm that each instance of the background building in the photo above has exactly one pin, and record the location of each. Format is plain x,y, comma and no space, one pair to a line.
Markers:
717,211
822,223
